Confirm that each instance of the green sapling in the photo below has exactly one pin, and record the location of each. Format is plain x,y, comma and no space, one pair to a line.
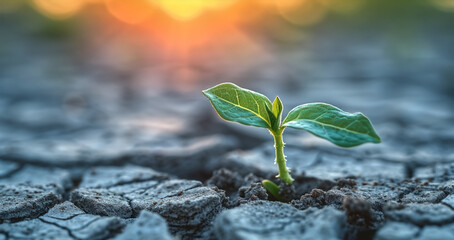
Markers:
247,107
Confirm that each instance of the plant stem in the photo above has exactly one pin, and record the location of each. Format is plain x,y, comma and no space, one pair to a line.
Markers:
284,172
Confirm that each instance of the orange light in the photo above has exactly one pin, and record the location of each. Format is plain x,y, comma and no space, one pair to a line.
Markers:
130,11
58,9
190,9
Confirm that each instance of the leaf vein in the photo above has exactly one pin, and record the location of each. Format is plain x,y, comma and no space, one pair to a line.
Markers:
319,116
336,127
237,97
354,121
239,106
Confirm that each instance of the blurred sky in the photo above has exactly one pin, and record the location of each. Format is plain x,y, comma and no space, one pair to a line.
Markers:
180,43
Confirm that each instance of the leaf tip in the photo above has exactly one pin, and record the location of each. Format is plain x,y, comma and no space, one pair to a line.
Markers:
277,107
277,100
205,93
377,139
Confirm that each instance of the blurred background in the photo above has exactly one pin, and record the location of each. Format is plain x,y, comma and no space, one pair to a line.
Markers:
68,66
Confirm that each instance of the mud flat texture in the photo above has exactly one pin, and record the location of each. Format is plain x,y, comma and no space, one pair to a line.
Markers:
91,151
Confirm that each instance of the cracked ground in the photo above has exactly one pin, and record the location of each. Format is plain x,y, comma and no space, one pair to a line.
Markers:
101,139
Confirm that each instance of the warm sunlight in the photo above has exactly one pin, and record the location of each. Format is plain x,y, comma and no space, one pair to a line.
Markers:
131,11
190,9
58,9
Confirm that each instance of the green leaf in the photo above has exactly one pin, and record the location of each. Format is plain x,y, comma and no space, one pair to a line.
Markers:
272,188
273,119
331,123
240,105
277,109
275,114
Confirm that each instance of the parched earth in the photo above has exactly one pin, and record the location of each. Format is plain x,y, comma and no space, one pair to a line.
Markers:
122,182
90,152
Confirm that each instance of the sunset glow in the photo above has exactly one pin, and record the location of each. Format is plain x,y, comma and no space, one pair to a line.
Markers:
190,9
131,11
182,31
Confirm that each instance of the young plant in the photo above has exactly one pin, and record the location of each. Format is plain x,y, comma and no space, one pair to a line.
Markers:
247,107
